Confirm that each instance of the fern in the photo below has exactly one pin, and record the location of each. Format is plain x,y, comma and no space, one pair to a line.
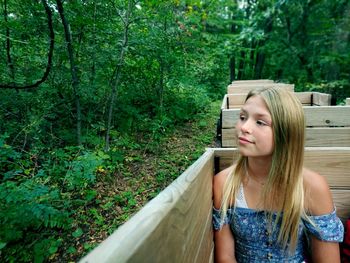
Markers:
81,171
29,205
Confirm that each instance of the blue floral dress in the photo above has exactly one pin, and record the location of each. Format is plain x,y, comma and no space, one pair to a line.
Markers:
255,242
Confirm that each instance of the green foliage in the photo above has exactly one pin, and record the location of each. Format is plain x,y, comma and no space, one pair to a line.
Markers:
44,199
46,247
30,206
81,171
185,101
340,90
177,61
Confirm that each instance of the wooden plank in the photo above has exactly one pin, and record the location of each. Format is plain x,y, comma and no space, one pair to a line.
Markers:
228,138
254,81
341,201
227,157
321,116
331,162
245,88
304,97
232,101
175,226
321,99
237,100
224,103
328,136
327,116
347,101
315,137
229,118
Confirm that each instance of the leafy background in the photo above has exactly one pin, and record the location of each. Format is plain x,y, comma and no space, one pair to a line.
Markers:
131,100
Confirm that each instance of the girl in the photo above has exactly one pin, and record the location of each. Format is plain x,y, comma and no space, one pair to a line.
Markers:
264,203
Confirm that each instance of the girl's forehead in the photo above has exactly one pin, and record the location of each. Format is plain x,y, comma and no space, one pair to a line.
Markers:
256,105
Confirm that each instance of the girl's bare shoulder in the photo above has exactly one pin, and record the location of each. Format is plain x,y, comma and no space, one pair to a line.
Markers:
220,178
219,183
318,196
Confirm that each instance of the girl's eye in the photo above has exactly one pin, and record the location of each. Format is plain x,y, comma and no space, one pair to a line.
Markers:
261,123
242,117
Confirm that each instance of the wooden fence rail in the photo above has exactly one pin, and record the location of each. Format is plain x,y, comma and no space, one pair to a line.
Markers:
325,126
239,88
232,101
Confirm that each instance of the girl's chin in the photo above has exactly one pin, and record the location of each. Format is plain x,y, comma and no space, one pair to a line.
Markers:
243,152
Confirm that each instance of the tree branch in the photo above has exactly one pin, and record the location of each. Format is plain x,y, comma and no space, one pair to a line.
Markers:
49,56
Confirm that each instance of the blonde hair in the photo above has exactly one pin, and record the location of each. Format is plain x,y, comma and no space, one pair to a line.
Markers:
284,186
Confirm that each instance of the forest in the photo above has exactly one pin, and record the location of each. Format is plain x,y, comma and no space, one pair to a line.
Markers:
90,89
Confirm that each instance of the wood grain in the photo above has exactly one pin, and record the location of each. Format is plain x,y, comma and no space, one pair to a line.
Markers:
328,136
321,99
253,81
246,87
320,116
327,116
342,203
331,162
232,101
315,137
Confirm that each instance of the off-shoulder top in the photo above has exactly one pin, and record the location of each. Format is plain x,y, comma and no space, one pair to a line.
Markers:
256,242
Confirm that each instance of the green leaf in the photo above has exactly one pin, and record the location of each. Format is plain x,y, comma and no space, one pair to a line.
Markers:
77,233
2,245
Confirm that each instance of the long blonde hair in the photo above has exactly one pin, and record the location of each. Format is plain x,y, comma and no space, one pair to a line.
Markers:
284,185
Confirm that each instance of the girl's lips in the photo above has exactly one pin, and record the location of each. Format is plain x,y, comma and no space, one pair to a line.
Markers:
244,140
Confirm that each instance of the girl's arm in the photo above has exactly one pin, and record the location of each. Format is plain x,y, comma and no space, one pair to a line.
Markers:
319,202
224,244
323,251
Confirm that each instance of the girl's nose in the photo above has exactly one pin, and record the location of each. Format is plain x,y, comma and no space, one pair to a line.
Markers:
246,127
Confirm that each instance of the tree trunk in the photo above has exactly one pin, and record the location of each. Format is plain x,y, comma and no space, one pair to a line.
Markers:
232,58
252,58
116,75
232,69
161,86
260,58
73,68
9,61
8,47
241,64
93,63
259,65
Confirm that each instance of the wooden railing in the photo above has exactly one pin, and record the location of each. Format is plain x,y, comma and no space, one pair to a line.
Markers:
241,88
325,125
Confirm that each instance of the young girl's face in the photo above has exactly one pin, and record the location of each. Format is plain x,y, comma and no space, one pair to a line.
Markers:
254,129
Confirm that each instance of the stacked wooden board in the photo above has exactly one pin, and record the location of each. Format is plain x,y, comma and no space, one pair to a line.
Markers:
326,125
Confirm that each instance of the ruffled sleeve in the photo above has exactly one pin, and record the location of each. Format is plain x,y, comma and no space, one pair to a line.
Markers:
218,223
326,227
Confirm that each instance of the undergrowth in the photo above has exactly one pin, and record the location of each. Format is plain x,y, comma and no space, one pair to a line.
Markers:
58,204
